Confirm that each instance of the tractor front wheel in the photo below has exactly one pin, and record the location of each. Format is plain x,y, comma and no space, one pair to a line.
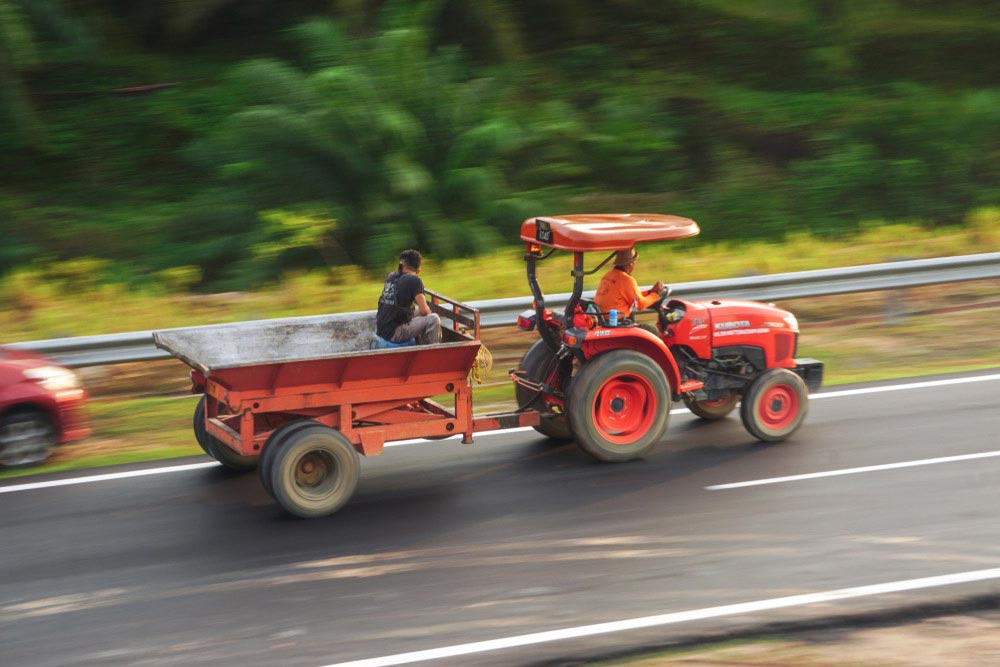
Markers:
619,405
774,405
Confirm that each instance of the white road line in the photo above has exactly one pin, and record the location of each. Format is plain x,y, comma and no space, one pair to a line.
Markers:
673,618
105,478
195,466
853,471
901,387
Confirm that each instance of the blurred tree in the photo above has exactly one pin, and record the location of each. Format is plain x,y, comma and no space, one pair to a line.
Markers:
442,123
23,25
209,25
17,54
26,26
403,145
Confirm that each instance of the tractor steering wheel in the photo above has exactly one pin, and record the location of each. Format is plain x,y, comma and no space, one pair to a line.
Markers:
664,314
664,295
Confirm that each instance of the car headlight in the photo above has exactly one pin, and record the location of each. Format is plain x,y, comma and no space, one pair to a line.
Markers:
53,378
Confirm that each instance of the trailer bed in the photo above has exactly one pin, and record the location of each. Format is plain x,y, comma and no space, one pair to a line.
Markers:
272,357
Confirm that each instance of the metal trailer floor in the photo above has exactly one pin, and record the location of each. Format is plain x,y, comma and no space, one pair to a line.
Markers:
263,342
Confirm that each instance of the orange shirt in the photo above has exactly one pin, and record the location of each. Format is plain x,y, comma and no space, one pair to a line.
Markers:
620,291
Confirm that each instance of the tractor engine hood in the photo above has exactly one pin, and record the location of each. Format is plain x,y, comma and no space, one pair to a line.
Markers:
705,326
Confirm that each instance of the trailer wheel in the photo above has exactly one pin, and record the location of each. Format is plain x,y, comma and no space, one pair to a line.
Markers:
27,437
774,405
712,410
537,363
216,448
313,472
271,446
619,405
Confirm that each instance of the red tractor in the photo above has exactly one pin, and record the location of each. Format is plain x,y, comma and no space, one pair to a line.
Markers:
609,385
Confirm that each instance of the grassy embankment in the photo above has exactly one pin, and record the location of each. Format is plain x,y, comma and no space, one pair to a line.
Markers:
860,337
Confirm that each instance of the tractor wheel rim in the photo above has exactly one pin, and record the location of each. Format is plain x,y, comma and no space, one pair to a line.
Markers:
778,407
624,408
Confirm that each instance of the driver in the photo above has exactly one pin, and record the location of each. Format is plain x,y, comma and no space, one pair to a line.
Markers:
619,290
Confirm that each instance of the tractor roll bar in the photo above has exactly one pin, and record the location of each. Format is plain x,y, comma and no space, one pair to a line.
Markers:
532,256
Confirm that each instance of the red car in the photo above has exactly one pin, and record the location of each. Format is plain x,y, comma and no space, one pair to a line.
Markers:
41,405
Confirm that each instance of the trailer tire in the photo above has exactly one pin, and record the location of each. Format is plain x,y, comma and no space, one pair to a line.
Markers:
314,472
774,405
535,363
217,449
712,410
619,405
271,446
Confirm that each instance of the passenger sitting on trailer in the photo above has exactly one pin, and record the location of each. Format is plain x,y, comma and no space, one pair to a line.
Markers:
618,290
403,289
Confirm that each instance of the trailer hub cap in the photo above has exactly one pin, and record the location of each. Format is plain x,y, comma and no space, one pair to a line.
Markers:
316,471
624,408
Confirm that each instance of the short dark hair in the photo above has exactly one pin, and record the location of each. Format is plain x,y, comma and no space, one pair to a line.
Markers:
411,258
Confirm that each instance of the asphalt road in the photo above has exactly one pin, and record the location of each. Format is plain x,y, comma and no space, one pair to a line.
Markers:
448,544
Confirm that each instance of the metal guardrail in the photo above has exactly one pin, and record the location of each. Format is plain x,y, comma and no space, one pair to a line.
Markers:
138,346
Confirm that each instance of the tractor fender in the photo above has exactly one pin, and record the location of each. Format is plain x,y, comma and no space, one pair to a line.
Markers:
599,341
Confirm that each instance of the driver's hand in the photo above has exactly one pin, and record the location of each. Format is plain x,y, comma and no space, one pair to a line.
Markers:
658,287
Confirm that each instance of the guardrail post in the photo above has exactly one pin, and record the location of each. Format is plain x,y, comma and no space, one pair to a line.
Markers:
895,304
895,307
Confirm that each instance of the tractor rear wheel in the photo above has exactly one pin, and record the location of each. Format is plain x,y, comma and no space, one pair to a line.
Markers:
539,364
217,449
712,410
774,405
314,471
619,405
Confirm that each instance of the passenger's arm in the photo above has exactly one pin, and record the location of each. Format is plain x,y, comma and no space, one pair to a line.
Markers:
422,307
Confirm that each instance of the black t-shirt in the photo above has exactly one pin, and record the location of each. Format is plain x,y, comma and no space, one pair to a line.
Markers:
395,306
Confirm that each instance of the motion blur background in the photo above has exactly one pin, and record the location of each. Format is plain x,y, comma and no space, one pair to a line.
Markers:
157,148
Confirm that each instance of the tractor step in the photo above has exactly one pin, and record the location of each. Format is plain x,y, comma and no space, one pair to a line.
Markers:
690,385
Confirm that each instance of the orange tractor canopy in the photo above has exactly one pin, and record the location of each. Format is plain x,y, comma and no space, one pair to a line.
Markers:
597,232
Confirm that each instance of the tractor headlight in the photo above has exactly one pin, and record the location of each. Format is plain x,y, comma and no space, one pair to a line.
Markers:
792,323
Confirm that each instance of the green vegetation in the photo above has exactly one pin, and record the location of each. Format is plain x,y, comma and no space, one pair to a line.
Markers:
213,146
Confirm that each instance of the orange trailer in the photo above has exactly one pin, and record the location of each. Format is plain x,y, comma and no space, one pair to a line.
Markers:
300,399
